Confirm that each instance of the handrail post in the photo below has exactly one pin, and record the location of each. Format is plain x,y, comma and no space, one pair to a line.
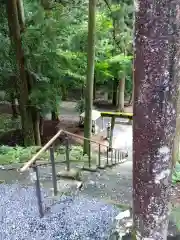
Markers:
112,152
89,157
67,154
51,141
54,179
121,156
99,156
107,156
38,190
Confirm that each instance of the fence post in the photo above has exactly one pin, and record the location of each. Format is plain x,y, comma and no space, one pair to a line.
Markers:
99,156
112,151
38,190
54,179
115,156
89,157
118,156
107,156
67,154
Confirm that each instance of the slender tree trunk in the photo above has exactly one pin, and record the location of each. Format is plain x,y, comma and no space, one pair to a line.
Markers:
176,145
90,76
114,95
64,93
41,126
36,126
156,80
120,105
26,118
14,107
21,18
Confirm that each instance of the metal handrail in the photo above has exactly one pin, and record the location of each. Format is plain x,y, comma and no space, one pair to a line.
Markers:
49,144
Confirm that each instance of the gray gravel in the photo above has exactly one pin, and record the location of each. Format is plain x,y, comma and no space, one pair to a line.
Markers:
75,218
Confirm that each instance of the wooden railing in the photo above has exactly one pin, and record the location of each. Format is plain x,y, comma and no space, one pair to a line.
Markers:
51,142
32,163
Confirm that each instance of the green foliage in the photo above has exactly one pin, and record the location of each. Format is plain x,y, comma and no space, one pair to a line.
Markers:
55,48
176,174
8,124
17,154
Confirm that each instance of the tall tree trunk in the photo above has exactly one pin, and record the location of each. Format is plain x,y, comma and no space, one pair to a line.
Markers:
64,92
26,118
36,126
21,18
14,107
41,126
55,112
114,95
156,79
176,145
90,76
120,104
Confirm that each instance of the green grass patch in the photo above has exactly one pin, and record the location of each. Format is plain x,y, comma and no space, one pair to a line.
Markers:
9,155
18,154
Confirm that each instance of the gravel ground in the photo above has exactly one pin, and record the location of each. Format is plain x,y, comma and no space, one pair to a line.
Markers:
71,219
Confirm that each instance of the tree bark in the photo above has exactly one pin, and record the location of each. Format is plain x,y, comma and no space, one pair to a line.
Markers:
176,145
90,76
14,107
26,118
41,126
36,126
114,95
64,93
21,18
156,80
120,104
